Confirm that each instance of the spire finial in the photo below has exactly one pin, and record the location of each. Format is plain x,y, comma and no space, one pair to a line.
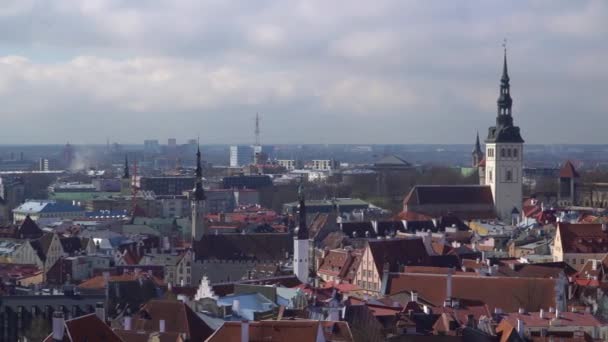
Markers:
505,74
126,170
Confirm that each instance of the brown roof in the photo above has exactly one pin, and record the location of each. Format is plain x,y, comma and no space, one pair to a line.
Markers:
449,194
292,331
29,229
583,237
533,319
146,336
398,252
179,318
262,247
87,328
529,293
340,263
568,171
98,282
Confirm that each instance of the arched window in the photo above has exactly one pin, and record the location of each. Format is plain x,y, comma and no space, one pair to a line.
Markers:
509,176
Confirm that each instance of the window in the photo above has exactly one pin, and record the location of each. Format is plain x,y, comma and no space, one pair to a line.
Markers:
514,153
490,175
582,261
509,152
509,176
502,153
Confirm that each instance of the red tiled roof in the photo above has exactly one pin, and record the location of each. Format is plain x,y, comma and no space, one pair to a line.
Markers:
98,282
450,194
337,262
568,171
87,328
583,237
413,216
178,318
529,293
573,319
292,331
398,252
146,336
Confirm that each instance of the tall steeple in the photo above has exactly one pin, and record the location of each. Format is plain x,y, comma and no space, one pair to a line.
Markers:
125,174
504,154
302,226
301,242
199,192
504,131
477,154
198,202
504,101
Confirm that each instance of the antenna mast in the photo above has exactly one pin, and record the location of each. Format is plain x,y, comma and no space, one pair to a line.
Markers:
134,189
257,129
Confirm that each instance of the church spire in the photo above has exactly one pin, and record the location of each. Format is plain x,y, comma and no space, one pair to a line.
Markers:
302,233
477,152
199,193
504,101
126,169
477,145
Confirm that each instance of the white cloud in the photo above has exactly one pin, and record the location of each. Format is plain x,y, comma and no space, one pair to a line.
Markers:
406,62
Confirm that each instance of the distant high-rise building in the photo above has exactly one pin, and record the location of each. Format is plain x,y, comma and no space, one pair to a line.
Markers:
504,155
43,164
68,155
151,147
240,155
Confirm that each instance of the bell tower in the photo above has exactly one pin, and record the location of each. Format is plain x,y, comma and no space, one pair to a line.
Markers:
504,153
198,202
301,242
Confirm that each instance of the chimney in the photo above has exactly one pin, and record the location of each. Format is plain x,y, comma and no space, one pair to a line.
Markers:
127,322
161,326
106,278
414,297
100,311
448,287
58,326
521,311
236,307
542,314
520,327
556,313
594,265
245,331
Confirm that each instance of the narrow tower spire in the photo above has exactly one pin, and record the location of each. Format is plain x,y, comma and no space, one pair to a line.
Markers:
301,242
302,226
126,169
257,129
199,192
198,202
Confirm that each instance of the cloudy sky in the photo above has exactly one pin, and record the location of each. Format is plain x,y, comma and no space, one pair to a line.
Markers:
317,71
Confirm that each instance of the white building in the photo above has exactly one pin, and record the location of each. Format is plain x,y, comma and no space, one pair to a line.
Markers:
288,164
240,155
